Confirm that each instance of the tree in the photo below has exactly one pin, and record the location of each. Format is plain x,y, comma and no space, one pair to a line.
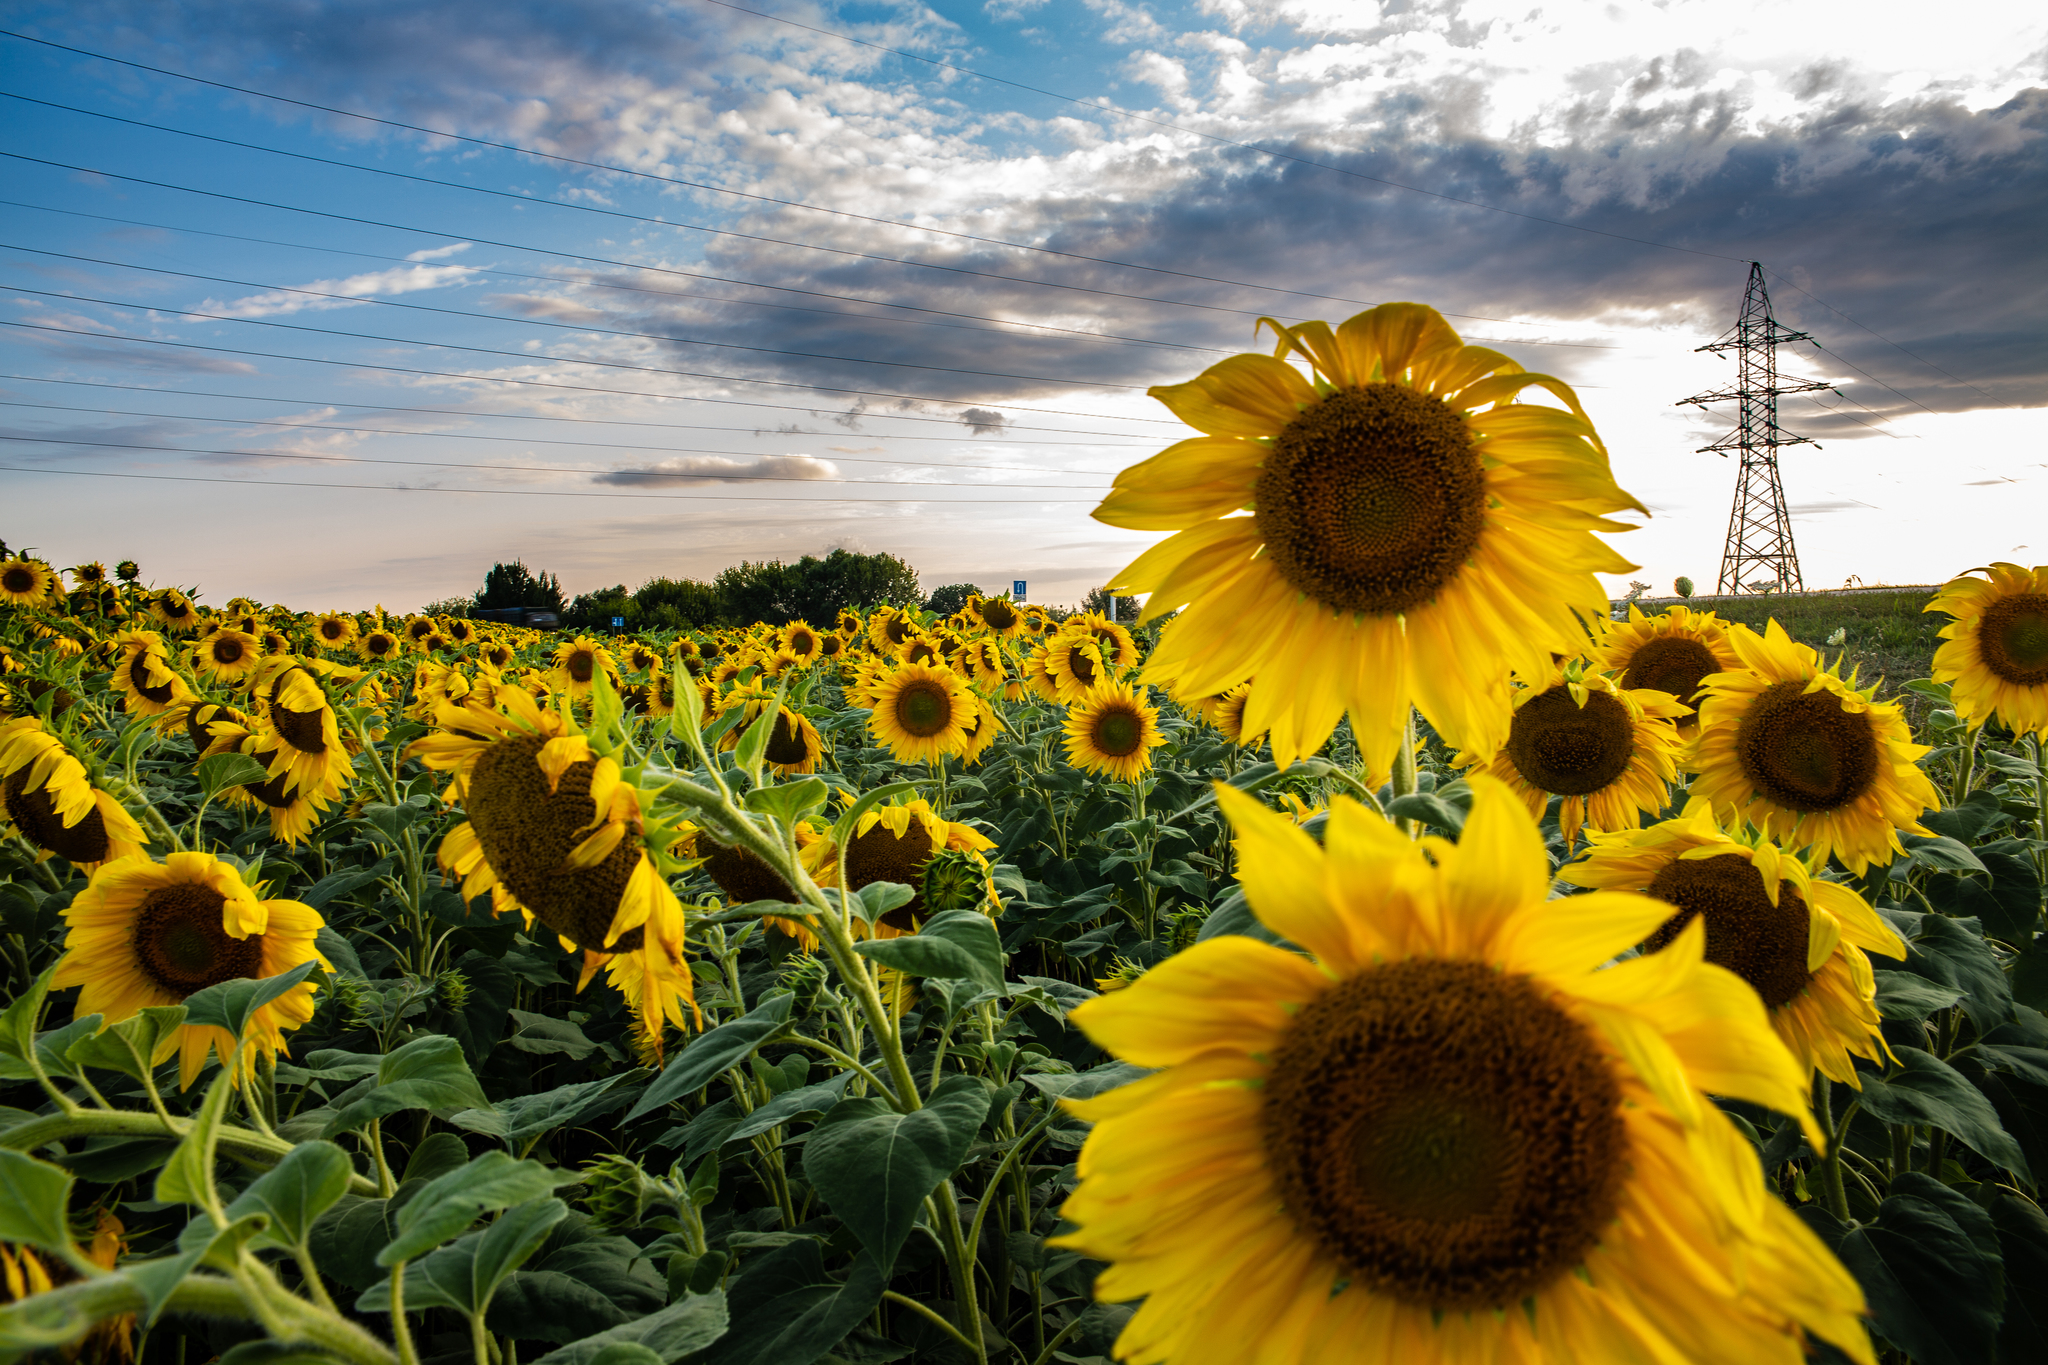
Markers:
595,610
515,585
1098,600
679,604
949,599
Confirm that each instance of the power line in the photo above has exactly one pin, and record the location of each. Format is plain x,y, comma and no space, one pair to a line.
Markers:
1887,341
588,283
526,492
549,384
522,440
526,468
530,357
523,322
842,213
541,417
730,279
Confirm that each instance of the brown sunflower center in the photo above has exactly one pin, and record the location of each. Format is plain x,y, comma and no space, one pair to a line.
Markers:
581,665
34,813
1449,1134
419,630
920,653
18,579
923,708
997,614
1572,750
1671,664
897,631
1119,732
227,651
526,833
1764,944
1372,499
301,729
180,943
379,644
1804,751
200,717
1081,666
786,742
881,855
742,876
332,630
2013,639
802,643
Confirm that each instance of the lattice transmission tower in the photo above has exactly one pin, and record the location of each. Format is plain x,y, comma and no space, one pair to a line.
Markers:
1759,527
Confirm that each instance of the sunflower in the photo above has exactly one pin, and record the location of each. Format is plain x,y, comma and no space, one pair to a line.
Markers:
830,646
143,674
744,879
418,628
144,933
498,654
1608,751
847,624
1671,652
998,616
922,713
90,575
459,630
1119,649
1228,716
556,833
1996,655
51,801
793,745
174,610
1448,1135
227,655
803,640
901,843
1415,535
920,649
308,754
25,582
1806,757
1800,942
1113,731
982,730
293,811
213,728
377,644
274,643
1074,666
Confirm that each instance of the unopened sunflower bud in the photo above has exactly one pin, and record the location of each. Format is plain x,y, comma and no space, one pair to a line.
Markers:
453,988
953,880
617,1192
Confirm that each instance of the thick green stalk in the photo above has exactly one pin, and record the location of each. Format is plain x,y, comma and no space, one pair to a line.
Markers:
237,1142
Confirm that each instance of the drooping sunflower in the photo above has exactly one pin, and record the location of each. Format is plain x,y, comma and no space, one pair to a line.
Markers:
1996,653
144,933
293,811
51,800
556,833
309,754
174,610
1113,731
144,676
793,745
1610,752
901,843
744,879
213,728
1074,666
1436,1139
1416,533
922,712
1799,941
378,644
1672,651
998,616
981,731
1790,747
25,582
1228,716
227,655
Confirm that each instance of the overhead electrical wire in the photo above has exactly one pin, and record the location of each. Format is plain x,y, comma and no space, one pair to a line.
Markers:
525,492
544,417
532,357
578,388
798,204
588,283
720,232
515,320
669,476
528,440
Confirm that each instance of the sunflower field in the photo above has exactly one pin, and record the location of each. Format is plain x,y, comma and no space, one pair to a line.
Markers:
1379,953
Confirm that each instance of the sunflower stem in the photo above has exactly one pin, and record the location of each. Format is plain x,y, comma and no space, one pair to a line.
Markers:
1966,766
130,794
233,1141
1404,777
1831,1164
929,1316
38,866
401,1330
2040,812
386,1186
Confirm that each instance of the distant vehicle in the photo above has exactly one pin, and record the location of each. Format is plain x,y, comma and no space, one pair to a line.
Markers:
536,617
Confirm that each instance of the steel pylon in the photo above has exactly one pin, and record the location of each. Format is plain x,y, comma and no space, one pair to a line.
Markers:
1759,527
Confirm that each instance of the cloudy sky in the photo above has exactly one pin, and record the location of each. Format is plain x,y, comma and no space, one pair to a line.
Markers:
645,287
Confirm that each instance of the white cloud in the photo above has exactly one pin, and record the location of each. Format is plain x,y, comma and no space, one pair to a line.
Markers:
435,253
353,290
702,469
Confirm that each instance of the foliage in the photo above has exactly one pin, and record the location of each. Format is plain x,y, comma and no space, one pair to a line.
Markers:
515,585
946,600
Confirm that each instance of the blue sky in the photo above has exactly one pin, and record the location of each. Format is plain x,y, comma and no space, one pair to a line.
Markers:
901,308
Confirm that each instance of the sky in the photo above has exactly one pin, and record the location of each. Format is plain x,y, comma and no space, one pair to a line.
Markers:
640,288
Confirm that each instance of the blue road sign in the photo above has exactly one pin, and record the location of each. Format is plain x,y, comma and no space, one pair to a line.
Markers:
1017,589
618,623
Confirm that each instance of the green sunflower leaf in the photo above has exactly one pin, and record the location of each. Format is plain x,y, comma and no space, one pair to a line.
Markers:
230,1004
1927,1090
875,1171
36,1209
710,1053
450,1203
